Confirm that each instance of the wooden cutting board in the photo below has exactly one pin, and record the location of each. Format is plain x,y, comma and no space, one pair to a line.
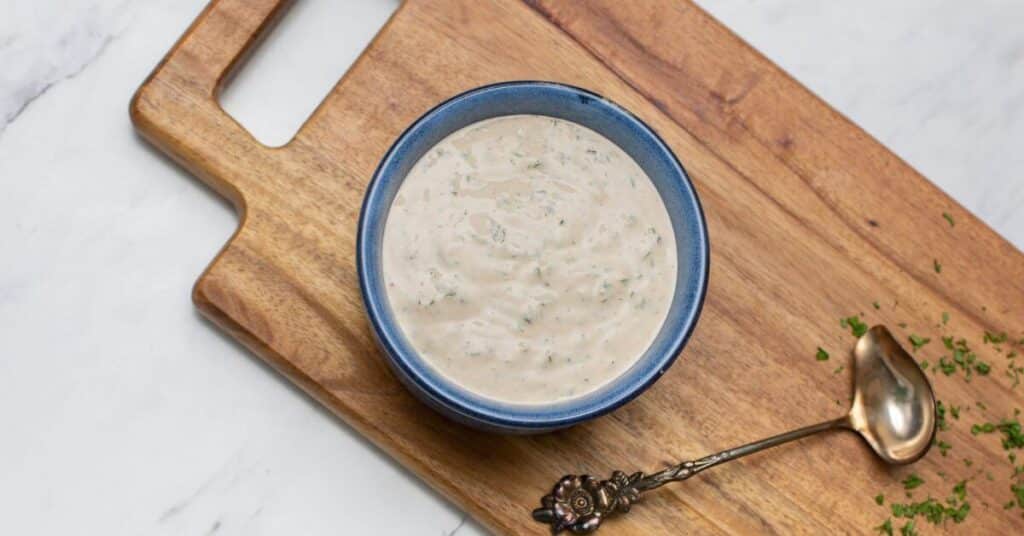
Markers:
810,220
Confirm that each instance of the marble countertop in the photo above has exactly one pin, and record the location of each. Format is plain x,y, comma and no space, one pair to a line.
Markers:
124,412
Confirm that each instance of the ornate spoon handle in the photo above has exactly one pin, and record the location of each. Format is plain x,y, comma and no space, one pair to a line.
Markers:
581,503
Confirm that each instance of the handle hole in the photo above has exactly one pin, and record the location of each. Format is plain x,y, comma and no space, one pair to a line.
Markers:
298,63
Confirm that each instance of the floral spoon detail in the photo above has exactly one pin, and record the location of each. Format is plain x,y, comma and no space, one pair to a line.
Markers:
893,409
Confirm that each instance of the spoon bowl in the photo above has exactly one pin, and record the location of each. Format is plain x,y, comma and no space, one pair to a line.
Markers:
893,402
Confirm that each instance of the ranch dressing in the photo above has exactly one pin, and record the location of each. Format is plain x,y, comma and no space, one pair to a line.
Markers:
529,259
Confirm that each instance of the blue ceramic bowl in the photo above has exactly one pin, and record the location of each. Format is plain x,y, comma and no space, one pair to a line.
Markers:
622,128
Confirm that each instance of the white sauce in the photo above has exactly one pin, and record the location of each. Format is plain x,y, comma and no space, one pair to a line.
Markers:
529,259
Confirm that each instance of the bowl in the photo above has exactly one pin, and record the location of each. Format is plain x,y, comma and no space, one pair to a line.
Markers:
622,128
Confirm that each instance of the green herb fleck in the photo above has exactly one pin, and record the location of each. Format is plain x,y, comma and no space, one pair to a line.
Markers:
960,490
1018,493
984,428
918,341
822,355
912,481
885,528
994,338
959,514
1014,373
949,218
937,266
963,358
935,512
943,447
908,529
857,327
945,318
1013,437
875,305
879,499
940,415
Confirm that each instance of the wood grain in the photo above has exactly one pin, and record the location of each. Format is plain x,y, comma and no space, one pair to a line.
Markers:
810,220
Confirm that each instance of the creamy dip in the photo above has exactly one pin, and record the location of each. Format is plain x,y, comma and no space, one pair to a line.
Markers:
529,259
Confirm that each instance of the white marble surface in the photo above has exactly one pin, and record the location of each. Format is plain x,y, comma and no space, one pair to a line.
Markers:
123,412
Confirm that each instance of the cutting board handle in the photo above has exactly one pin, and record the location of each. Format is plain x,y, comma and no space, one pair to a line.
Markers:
222,36
176,107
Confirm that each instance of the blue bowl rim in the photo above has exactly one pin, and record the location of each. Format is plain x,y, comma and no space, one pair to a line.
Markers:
529,417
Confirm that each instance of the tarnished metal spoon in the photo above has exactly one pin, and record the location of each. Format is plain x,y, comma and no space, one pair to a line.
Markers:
893,410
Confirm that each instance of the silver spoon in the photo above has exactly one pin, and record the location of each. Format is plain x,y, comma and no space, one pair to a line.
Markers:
893,410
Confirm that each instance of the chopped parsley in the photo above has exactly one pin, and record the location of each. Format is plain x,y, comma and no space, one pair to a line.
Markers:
984,428
908,529
945,318
994,338
918,341
960,490
940,416
1013,372
943,446
875,305
1018,493
949,218
879,499
963,359
937,266
912,481
885,528
822,355
959,514
948,367
856,325
933,511
1013,437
